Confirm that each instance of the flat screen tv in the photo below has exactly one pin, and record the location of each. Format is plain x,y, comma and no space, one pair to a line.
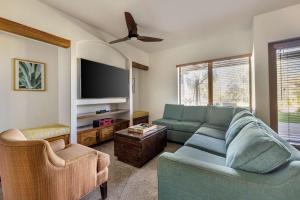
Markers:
103,81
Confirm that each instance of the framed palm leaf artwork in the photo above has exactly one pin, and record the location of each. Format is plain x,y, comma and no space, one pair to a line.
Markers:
29,75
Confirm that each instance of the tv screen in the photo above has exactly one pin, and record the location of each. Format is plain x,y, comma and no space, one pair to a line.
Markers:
103,81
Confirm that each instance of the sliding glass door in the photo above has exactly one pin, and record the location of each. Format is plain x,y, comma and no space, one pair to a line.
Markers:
285,108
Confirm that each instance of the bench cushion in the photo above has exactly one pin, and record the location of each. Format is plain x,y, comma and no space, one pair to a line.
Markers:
208,144
199,155
169,123
45,132
173,111
138,114
194,113
186,126
212,132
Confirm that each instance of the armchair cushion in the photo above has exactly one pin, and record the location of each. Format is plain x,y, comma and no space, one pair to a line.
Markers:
74,151
57,145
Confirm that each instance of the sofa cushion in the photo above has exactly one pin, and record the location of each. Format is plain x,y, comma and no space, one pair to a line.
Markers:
178,136
295,152
212,132
169,123
173,111
255,149
194,113
237,116
186,126
208,144
236,127
219,115
203,156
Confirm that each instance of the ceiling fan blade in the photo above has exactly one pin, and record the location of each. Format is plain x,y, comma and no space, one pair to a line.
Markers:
149,39
131,25
119,40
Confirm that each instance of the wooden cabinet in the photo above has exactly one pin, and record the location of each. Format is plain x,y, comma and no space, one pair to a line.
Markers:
106,133
90,136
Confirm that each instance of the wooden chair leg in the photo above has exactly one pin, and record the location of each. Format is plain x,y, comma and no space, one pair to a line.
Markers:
103,190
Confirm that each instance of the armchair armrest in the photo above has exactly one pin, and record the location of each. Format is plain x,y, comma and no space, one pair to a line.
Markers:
57,145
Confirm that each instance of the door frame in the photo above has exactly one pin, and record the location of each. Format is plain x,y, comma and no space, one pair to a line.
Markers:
273,46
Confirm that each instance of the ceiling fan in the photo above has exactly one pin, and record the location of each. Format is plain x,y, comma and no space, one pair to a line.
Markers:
132,32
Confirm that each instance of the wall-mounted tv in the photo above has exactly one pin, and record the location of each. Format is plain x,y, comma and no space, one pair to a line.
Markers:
99,80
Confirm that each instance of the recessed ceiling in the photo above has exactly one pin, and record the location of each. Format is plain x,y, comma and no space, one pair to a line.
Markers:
177,21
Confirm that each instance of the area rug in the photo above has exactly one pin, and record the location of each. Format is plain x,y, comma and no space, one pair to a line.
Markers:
127,182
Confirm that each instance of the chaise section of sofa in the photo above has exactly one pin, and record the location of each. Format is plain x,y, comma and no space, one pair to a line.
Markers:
250,161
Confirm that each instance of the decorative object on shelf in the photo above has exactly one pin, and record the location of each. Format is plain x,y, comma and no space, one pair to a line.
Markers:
29,75
141,128
103,122
101,111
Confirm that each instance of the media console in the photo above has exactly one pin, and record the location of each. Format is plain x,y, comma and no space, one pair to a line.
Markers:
90,136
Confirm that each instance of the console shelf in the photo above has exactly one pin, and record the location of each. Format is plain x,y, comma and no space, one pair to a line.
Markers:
93,114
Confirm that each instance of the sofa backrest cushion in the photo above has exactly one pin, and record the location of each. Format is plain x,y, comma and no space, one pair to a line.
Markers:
256,150
236,127
173,111
194,113
219,115
295,152
239,115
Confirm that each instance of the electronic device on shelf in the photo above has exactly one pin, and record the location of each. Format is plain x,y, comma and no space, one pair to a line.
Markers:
103,122
101,111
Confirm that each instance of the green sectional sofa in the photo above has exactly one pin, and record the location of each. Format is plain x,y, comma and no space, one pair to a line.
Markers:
237,158
184,121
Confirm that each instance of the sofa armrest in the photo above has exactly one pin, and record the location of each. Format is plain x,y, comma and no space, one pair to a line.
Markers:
181,178
57,145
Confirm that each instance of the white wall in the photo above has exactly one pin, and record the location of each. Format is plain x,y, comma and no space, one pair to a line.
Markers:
159,84
24,109
270,27
38,15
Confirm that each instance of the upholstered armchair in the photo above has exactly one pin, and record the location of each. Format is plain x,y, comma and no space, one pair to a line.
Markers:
39,170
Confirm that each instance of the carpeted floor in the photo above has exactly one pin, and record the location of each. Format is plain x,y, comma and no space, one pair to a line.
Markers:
127,182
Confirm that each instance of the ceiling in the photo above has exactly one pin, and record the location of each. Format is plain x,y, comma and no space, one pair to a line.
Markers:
178,22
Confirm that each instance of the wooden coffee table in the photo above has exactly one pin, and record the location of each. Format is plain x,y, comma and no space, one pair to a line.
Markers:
137,149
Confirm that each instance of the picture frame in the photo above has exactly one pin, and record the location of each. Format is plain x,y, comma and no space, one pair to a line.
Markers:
29,75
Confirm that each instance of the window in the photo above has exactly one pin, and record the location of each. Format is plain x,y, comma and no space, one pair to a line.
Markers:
231,82
194,85
285,108
219,82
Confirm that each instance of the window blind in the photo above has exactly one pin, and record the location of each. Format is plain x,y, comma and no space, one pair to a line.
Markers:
231,82
194,85
288,93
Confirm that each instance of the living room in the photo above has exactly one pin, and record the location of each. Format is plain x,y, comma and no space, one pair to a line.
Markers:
213,87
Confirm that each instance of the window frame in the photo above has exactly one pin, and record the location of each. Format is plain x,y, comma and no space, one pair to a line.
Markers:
272,48
210,76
